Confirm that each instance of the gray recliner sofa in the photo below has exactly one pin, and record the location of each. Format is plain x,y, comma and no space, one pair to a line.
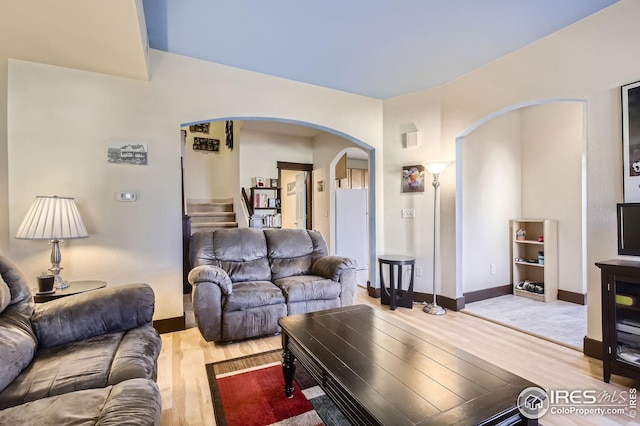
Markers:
245,279
85,359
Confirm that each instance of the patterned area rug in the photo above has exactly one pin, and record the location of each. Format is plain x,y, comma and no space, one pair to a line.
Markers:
250,391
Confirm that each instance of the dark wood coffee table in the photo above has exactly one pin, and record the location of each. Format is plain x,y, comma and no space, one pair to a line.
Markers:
380,371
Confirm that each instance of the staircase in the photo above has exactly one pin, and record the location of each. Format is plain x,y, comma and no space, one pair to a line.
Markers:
210,214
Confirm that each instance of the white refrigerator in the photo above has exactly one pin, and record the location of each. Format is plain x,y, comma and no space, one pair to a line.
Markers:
352,234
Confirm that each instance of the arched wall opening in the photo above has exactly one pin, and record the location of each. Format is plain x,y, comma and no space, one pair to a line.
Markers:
339,142
524,161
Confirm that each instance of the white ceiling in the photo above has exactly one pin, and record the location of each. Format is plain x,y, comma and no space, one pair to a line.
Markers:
376,48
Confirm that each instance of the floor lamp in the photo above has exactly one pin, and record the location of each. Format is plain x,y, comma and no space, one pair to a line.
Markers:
435,168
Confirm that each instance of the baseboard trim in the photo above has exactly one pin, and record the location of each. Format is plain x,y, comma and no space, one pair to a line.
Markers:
592,348
488,293
569,296
169,325
373,291
445,302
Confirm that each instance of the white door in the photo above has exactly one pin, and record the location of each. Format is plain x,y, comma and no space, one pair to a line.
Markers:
352,237
301,200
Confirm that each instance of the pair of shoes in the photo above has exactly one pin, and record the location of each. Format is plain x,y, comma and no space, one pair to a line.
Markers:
527,285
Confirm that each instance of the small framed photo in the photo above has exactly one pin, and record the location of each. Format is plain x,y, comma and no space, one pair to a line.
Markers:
260,182
412,178
271,203
274,183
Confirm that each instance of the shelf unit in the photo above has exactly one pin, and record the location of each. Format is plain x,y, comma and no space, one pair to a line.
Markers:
261,197
620,318
526,265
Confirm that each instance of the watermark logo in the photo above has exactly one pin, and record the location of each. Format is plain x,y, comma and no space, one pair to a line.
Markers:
533,402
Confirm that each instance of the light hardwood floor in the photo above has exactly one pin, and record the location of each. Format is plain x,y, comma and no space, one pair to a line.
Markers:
186,399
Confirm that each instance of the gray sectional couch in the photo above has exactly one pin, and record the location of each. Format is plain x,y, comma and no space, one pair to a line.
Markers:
245,279
86,359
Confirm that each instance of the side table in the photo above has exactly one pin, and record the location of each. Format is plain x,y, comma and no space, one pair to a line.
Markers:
75,287
393,296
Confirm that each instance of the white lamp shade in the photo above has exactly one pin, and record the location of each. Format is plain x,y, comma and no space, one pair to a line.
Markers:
436,167
52,218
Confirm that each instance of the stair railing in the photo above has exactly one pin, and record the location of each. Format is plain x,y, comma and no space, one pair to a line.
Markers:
248,206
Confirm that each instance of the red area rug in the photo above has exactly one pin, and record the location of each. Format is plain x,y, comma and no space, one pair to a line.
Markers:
250,391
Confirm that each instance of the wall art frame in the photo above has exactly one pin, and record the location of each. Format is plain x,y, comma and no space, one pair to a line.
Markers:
631,142
412,178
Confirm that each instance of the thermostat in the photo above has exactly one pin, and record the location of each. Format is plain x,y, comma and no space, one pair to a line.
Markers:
126,196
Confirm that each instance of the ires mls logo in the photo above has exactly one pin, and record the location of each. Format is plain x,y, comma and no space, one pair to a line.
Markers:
533,402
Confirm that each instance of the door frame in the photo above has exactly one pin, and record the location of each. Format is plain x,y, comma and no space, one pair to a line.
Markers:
300,167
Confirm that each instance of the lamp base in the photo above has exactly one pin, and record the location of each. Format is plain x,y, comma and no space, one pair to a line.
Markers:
434,309
59,282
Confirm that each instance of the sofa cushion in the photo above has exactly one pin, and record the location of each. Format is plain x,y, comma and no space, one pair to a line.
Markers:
16,281
83,364
293,251
252,322
5,295
241,252
17,343
308,287
252,294
134,402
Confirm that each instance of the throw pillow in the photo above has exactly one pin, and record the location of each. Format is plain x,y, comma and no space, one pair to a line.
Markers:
5,295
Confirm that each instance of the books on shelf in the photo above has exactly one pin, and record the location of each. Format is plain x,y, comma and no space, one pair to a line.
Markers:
267,221
262,201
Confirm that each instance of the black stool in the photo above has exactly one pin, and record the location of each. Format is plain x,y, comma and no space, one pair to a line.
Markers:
393,296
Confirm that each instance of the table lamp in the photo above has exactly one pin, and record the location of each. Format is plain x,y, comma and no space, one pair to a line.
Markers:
54,219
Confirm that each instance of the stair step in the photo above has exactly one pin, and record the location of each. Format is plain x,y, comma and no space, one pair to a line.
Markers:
208,207
205,226
201,217
210,200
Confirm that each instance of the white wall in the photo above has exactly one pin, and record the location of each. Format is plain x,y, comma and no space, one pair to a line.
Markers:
553,138
412,237
574,63
60,119
4,169
526,163
288,201
491,194
211,175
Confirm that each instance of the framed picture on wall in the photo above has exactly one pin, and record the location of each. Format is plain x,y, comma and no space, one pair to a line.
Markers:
631,141
413,178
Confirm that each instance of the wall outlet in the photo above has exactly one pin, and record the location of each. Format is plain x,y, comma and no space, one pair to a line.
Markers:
418,271
492,269
408,213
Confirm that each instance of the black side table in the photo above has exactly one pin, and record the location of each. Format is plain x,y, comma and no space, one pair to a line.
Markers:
393,296
75,287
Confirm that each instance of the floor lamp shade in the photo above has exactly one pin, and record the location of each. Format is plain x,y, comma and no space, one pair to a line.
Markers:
54,219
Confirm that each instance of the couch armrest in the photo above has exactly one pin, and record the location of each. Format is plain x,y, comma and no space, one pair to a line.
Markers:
332,266
93,313
342,270
212,274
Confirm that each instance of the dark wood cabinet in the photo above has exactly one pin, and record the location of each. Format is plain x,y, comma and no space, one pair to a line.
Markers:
620,318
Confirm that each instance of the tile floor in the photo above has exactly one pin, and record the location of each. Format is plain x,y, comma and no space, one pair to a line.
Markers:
559,321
